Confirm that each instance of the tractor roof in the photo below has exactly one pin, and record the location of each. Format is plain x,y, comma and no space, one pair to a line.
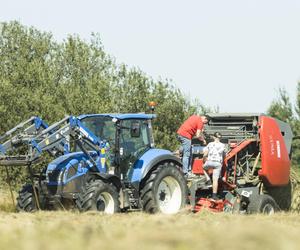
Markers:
233,115
121,116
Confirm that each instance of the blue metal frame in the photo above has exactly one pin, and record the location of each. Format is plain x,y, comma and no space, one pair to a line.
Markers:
38,122
29,128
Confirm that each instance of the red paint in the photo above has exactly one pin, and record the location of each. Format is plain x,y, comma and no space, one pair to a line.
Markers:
275,160
212,205
197,167
237,149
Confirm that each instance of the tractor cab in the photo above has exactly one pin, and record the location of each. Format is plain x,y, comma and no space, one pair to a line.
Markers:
128,136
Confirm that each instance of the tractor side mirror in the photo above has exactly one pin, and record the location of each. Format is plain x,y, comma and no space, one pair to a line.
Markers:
135,130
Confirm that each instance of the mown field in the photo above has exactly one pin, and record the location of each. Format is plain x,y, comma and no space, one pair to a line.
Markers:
205,230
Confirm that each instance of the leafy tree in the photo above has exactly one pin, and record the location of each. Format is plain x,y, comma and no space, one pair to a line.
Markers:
283,109
39,76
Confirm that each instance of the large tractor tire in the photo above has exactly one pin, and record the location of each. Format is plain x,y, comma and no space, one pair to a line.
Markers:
164,190
264,204
26,201
99,196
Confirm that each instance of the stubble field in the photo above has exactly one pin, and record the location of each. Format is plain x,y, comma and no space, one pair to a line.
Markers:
135,231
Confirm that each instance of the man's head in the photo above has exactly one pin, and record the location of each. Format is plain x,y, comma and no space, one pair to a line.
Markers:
204,119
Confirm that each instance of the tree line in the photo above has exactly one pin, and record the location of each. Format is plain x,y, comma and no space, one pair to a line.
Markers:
43,77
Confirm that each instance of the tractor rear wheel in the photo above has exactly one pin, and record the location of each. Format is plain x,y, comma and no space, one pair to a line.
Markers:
164,190
26,200
99,196
262,204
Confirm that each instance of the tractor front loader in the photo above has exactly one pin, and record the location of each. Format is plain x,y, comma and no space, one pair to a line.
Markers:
24,144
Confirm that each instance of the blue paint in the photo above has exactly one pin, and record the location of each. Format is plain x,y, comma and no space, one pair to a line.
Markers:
35,145
120,116
136,173
66,148
38,122
65,162
2,149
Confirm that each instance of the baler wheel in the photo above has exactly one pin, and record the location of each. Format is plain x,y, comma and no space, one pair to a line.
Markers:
164,190
99,196
282,195
262,204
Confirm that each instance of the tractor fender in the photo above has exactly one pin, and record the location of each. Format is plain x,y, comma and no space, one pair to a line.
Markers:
148,161
115,180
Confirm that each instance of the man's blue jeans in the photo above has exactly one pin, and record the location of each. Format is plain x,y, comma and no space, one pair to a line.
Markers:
186,146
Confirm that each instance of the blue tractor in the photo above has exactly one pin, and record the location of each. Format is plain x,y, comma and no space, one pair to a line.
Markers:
113,166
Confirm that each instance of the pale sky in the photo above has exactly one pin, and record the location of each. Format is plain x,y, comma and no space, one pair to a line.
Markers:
234,54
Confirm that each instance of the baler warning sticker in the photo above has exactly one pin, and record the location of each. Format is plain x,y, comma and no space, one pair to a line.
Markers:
278,149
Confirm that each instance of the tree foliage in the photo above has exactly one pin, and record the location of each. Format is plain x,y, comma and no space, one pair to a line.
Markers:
283,109
39,76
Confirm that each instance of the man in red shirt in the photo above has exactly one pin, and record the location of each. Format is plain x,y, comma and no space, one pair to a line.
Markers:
192,127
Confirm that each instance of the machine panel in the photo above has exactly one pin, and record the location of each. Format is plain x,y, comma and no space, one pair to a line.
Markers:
275,162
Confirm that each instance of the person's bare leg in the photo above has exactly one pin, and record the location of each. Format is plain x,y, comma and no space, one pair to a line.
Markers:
206,175
215,185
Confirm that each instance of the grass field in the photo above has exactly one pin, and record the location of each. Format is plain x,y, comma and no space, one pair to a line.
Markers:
205,230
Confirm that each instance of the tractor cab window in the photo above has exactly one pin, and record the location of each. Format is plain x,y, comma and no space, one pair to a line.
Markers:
103,127
134,137
134,141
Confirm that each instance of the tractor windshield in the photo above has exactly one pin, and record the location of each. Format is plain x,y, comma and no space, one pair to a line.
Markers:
105,129
101,126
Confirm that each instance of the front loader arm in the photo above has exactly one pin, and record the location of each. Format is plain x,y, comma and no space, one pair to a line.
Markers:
22,133
35,137
66,129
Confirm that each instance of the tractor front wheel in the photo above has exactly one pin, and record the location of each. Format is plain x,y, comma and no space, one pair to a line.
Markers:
164,190
26,201
99,196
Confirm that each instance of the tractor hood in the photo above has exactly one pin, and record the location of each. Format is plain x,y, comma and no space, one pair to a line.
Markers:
67,167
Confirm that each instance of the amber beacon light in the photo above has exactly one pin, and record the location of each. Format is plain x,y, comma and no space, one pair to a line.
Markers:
152,105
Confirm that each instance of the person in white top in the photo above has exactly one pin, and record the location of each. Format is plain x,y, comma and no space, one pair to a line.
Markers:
214,152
